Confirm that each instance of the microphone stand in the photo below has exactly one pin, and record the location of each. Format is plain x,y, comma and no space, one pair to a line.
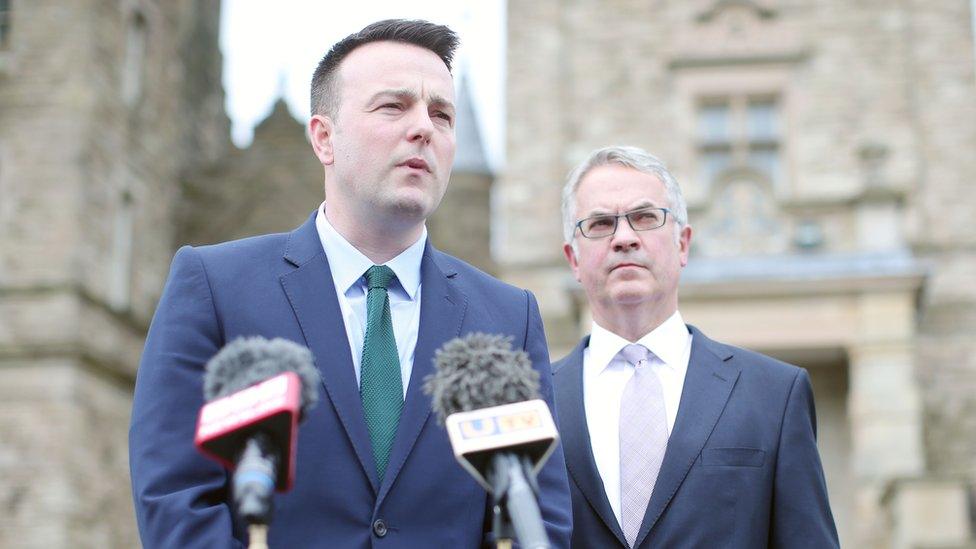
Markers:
516,509
253,487
258,534
501,526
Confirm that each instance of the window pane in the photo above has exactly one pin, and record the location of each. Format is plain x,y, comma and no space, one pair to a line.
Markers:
763,121
714,123
768,162
712,164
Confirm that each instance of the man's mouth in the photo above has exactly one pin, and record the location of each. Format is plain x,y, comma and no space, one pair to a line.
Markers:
416,164
622,265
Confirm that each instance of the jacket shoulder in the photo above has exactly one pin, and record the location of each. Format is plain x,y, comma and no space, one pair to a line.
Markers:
249,247
752,363
574,356
238,263
474,278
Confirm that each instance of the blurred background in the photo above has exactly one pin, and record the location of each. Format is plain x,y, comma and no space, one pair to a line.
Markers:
827,150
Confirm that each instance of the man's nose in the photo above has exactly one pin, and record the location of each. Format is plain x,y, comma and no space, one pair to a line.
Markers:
421,125
624,238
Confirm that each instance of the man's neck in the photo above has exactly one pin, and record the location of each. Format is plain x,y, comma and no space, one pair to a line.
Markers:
377,241
633,322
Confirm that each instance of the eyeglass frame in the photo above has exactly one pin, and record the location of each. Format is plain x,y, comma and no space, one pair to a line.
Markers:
616,221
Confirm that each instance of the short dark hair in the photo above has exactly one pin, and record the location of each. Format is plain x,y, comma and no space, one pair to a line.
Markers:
436,38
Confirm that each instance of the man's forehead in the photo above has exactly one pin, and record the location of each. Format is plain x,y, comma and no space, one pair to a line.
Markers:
385,58
616,170
615,186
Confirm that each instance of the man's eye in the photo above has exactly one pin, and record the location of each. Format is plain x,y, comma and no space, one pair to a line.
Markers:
599,222
651,215
443,115
395,106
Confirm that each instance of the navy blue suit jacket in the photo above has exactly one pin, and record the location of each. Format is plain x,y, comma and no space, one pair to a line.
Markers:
281,286
741,468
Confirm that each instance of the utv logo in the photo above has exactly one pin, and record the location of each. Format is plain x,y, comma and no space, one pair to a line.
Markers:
500,425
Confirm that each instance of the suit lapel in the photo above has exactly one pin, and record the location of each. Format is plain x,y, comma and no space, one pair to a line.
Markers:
442,307
312,295
708,384
568,384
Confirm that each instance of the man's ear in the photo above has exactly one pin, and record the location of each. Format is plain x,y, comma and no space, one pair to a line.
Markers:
572,259
684,244
321,129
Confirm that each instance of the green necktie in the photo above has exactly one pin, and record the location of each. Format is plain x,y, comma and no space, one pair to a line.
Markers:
380,385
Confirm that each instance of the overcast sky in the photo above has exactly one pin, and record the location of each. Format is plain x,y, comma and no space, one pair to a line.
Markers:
272,52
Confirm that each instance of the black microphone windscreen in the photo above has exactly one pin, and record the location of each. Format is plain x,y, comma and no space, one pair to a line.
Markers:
246,361
479,371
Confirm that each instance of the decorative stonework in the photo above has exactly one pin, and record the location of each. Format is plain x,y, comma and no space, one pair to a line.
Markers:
742,218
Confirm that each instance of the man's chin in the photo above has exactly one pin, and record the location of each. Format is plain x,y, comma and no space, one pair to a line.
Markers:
416,200
414,207
631,292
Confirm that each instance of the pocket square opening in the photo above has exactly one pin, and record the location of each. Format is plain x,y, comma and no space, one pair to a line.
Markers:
735,457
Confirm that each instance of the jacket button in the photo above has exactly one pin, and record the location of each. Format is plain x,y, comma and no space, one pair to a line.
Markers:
379,528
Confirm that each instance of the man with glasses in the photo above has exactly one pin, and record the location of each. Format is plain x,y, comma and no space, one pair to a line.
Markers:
672,439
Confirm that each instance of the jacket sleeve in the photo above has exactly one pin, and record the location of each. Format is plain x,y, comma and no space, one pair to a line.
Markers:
801,514
180,496
554,499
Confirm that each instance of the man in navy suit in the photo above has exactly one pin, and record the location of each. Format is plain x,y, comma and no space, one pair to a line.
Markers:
373,468
672,439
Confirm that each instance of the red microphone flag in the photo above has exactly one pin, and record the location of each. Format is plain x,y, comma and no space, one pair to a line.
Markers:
272,406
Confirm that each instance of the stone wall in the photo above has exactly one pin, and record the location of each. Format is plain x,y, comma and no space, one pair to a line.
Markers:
104,104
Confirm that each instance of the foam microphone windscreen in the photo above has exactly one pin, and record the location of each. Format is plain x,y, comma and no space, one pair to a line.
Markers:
247,361
479,371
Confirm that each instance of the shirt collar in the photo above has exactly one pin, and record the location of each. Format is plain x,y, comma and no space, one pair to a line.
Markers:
668,342
349,264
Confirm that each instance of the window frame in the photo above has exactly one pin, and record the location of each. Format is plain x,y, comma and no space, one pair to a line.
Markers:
739,142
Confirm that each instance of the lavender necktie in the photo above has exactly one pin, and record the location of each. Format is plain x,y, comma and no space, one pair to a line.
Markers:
643,439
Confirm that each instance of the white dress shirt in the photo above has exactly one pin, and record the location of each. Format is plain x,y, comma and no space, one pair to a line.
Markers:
348,267
604,378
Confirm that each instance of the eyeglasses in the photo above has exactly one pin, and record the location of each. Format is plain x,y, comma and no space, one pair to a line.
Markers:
604,225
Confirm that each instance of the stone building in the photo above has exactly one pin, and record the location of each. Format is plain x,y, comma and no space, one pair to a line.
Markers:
826,150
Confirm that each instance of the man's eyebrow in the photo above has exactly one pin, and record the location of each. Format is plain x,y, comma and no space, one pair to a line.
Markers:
646,203
643,204
397,93
441,102
405,94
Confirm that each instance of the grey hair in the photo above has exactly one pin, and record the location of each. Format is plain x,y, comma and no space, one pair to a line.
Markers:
631,157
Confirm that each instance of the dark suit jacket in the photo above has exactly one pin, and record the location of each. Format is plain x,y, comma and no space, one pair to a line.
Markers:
741,467
281,286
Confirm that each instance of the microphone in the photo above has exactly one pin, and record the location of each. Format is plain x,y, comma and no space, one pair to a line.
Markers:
257,391
487,396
